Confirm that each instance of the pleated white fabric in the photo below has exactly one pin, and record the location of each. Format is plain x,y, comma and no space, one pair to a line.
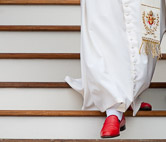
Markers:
113,73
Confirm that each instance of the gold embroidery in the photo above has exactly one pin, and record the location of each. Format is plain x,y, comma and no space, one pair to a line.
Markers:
151,21
150,6
152,47
150,41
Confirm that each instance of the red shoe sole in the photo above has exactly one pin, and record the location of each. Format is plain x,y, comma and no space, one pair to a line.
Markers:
109,136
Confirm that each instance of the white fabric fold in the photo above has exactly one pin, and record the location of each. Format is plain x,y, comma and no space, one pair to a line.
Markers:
113,73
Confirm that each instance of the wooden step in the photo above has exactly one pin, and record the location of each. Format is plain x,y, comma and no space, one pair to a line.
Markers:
57,85
158,85
39,28
39,2
46,56
76,113
39,56
34,85
81,140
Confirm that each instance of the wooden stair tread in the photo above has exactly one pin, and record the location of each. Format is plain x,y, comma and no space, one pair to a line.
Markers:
46,56
39,56
34,85
76,113
40,2
57,85
39,28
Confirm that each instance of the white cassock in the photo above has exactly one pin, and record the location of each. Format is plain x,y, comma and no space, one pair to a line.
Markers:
113,73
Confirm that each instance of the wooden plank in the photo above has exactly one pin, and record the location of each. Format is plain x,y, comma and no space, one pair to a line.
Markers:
39,28
39,56
45,56
76,113
163,56
57,85
39,2
34,85
158,85
82,140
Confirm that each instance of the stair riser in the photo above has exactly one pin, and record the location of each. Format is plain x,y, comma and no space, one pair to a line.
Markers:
77,128
62,99
40,42
40,15
53,70
38,70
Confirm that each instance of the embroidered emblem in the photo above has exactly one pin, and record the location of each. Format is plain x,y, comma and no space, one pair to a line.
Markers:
150,22
150,28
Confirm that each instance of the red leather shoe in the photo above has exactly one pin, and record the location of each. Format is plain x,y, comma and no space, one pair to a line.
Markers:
112,126
144,107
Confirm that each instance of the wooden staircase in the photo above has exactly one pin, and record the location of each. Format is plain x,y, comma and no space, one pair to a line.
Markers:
58,85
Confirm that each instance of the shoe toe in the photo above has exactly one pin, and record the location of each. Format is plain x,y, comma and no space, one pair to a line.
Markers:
111,132
146,106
